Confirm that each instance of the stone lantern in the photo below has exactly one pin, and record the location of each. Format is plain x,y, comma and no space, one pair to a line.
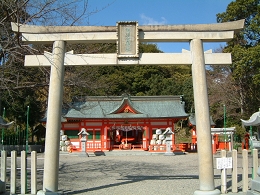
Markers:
83,141
168,138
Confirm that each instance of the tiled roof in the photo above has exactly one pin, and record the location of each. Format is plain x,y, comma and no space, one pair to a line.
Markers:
45,119
143,106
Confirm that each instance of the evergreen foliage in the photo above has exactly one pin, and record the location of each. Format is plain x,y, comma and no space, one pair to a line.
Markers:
237,86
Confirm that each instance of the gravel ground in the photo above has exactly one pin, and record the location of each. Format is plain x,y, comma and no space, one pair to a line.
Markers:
128,173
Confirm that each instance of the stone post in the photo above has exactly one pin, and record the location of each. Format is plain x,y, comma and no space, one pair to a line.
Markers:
53,124
245,170
3,171
33,172
23,172
234,171
13,175
205,156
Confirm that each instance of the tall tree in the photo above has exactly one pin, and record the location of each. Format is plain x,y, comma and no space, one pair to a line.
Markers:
237,86
22,86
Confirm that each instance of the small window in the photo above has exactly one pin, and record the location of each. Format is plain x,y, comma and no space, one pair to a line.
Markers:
72,134
90,136
97,135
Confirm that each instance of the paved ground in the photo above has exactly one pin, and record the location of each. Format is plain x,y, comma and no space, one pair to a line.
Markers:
131,174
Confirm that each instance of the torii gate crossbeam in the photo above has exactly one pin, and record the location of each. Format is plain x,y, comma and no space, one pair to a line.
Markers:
195,34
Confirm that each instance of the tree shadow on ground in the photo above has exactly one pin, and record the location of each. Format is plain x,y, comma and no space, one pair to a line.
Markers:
122,173
133,179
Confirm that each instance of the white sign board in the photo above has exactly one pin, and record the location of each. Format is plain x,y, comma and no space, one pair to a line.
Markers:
224,163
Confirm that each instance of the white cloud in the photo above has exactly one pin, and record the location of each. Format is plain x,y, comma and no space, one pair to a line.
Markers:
150,21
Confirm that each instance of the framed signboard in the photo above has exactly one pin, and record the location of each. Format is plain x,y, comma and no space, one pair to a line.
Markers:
127,43
224,163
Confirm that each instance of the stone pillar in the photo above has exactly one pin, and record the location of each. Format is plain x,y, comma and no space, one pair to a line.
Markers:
83,141
53,124
33,172
13,175
168,146
206,172
3,171
23,172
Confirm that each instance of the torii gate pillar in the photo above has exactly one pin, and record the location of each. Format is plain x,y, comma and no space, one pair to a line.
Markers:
53,125
206,175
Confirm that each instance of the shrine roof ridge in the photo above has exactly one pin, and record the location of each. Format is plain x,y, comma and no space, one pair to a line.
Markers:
147,106
226,26
130,97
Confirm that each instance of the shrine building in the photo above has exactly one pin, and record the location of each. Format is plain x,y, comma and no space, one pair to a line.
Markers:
123,122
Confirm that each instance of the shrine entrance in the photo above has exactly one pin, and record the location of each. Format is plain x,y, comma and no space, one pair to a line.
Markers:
126,137
127,35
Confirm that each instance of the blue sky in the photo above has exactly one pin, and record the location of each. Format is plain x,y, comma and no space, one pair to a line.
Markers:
159,12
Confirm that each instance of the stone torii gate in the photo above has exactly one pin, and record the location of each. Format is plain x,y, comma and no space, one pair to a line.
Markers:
127,35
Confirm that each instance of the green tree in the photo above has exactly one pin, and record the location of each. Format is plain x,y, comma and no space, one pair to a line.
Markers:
134,80
237,86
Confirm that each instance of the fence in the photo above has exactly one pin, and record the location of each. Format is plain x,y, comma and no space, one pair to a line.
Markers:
18,137
234,170
19,148
15,177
